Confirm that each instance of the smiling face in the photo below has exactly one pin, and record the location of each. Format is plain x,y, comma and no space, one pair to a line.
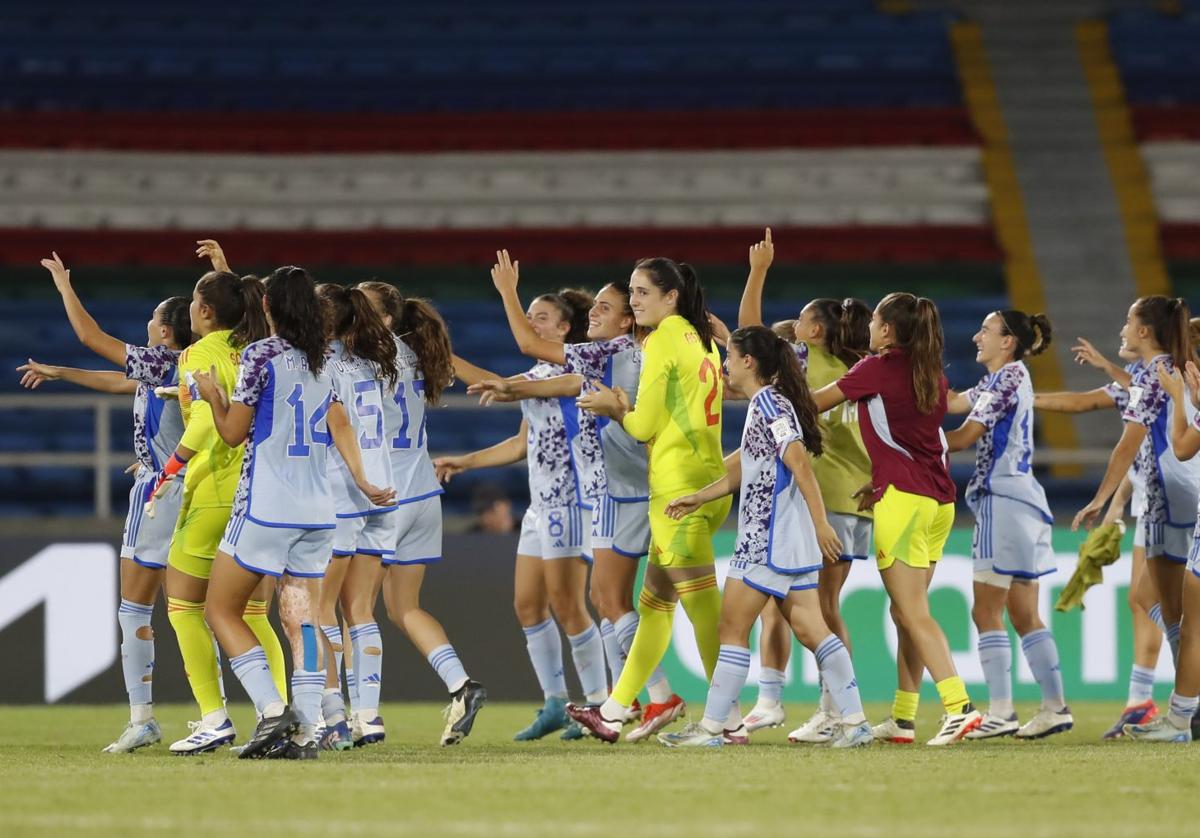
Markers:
742,371
1137,338
650,305
547,322
609,316
993,347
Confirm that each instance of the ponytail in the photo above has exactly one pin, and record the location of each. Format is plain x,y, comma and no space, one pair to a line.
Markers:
296,312
351,318
176,316
668,275
847,325
917,327
776,362
573,305
1031,331
236,305
1169,319
422,329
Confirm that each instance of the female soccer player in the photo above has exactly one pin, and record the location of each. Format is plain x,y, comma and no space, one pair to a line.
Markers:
1156,328
157,427
612,465
830,337
363,366
901,395
1148,627
783,534
283,515
423,355
226,315
679,414
551,574
1176,725
1011,546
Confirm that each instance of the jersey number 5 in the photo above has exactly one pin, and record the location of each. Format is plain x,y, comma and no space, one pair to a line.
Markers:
708,370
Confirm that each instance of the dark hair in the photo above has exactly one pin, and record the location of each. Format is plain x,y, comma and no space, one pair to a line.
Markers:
621,286
1032,331
296,313
573,305
668,275
177,317
847,325
350,317
1168,318
778,366
419,325
236,304
917,327
1194,335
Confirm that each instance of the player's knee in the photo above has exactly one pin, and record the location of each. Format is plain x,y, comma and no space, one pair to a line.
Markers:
529,613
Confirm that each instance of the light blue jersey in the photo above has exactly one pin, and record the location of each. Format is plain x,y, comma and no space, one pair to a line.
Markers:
157,422
413,476
1003,403
284,480
553,479
359,387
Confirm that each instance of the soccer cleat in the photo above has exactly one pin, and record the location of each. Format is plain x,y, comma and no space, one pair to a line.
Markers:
739,735
136,735
956,725
1046,723
460,713
693,735
291,749
765,715
1135,714
1159,730
270,733
852,736
336,737
657,716
552,717
818,730
633,714
993,727
572,733
895,731
367,732
205,739
589,716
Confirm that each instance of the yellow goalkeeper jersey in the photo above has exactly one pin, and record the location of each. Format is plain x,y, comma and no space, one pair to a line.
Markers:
212,474
678,412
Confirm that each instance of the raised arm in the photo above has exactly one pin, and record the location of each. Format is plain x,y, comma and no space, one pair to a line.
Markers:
1118,465
1185,438
1066,402
828,397
958,402
468,373
964,436
86,328
505,274
517,389
103,381
1085,353
761,256
503,453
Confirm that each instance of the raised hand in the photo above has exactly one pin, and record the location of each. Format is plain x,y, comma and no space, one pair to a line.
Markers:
506,272
762,254
1191,374
1171,381
1085,353
210,250
35,374
720,330
492,390
58,271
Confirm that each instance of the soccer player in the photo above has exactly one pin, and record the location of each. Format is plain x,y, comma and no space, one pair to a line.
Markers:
157,427
901,396
283,512
783,534
551,574
830,337
1148,627
612,465
362,365
1157,330
1011,548
426,368
678,414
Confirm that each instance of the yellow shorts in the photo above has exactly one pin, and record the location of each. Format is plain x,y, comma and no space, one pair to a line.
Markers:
910,528
197,536
686,543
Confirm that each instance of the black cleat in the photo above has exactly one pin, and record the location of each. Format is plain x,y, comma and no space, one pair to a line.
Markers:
291,749
269,733
460,714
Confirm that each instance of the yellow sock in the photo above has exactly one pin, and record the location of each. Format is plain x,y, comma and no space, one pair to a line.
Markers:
954,694
904,706
656,617
255,616
199,656
701,601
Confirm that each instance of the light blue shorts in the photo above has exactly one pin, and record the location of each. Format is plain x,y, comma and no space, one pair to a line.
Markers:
621,526
274,551
554,533
147,541
854,532
370,535
418,531
1011,539
770,582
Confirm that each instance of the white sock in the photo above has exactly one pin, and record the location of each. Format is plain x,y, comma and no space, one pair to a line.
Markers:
733,666
1182,710
770,686
1042,654
612,651
1141,685
995,657
587,650
545,653
368,667
837,670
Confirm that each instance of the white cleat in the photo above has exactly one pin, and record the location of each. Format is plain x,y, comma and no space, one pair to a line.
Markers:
1159,730
894,732
136,735
693,735
1046,723
366,731
205,739
765,715
955,726
993,727
852,736
819,730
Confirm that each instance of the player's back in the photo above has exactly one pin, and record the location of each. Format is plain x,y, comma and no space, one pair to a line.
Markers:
358,386
413,476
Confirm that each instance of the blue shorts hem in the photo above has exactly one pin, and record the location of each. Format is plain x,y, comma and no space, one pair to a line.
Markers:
1021,574
637,557
379,510
763,589
299,575
258,570
342,554
430,560
379,554
151,565
845,558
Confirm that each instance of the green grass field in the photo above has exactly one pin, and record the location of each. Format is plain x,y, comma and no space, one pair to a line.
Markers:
54,780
